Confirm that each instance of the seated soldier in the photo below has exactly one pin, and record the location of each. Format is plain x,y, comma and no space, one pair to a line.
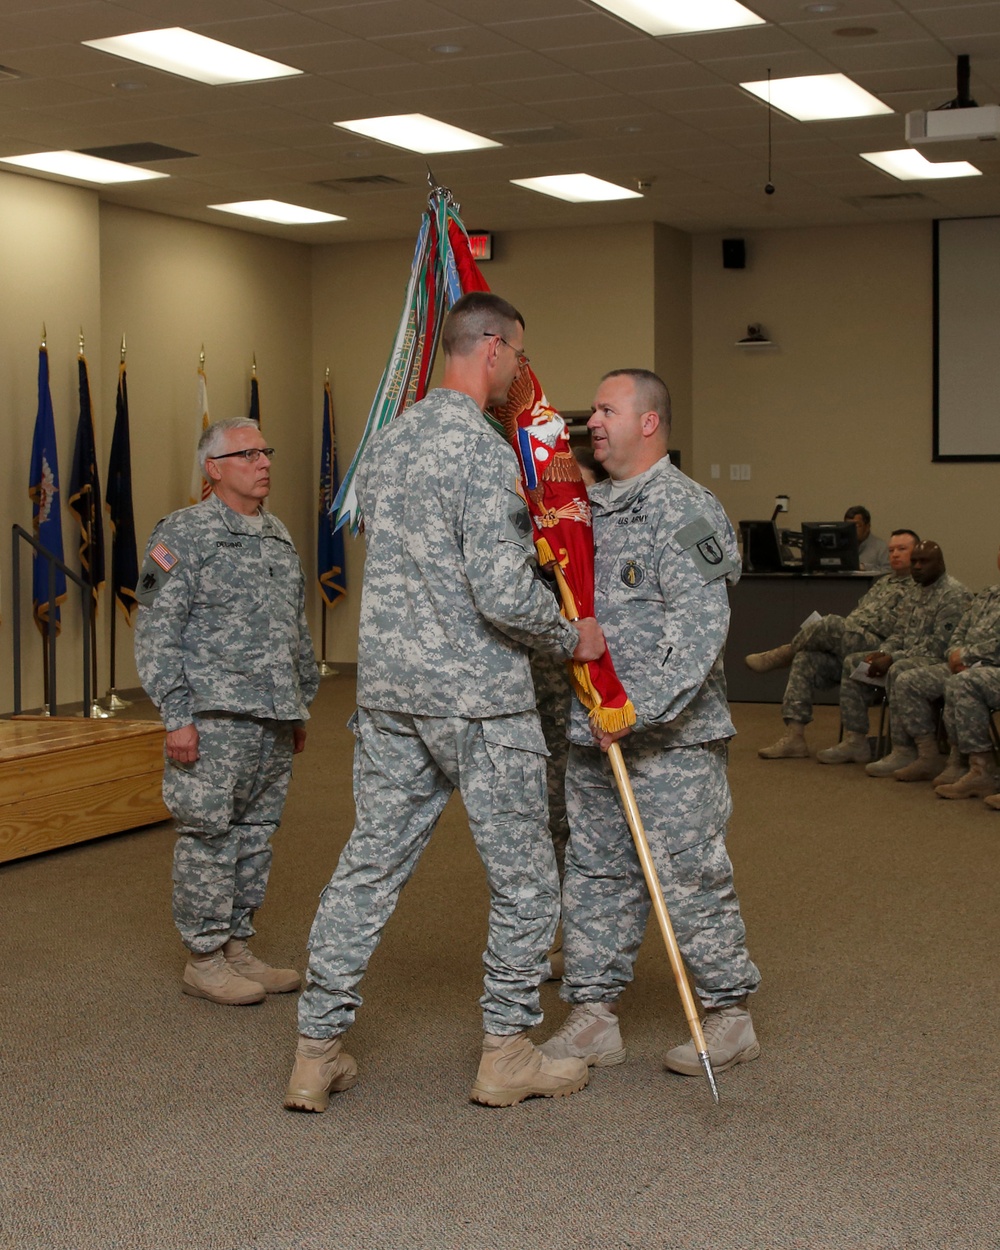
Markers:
919,639
969,683
816,653
873,554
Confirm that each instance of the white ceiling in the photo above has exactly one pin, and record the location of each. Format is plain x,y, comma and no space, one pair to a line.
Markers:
565,87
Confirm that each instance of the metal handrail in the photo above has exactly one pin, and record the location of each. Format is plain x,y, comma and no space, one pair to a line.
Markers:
50,635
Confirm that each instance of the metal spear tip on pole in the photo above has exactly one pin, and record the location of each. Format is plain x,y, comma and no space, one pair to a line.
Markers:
706,1063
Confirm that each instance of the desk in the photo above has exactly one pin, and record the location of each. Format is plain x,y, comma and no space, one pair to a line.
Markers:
767,610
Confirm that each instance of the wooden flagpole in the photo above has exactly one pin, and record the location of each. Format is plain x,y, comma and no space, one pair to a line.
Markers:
638,832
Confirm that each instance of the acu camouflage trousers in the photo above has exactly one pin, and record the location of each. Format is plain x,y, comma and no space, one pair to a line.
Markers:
227,806
820,649
683,796
969,698
405,770
554,697
856,697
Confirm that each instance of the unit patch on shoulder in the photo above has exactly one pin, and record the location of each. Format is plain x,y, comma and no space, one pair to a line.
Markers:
158,567
700,539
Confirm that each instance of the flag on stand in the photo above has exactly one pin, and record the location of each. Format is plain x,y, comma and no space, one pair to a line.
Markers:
124,560
43,490
85,489
254,413
330,568
200,489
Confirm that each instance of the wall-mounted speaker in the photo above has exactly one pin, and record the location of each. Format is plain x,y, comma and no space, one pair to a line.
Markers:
734,254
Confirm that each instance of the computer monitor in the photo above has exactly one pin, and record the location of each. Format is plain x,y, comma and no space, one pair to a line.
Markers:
761,551
830,547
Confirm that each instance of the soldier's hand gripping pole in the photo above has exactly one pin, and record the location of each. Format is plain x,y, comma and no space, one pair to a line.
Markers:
649,872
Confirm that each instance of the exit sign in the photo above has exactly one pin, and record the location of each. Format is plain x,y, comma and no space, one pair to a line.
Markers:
481,243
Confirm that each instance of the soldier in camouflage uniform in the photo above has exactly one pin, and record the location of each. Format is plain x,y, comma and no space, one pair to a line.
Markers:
919,640
451,602
664,553
969,683
223,650
816,653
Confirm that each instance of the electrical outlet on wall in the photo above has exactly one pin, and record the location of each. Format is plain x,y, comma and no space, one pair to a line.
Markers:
744,473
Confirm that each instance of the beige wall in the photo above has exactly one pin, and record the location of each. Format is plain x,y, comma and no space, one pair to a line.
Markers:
839,411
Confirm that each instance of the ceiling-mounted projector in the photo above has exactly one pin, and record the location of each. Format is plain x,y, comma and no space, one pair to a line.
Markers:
953,125
942,133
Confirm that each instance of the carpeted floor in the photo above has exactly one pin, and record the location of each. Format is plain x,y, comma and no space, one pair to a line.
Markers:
134,1117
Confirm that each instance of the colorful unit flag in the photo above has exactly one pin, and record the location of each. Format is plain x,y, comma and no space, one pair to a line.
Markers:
124,560
85,489
330,568
432,287
200,489
443,269
43,490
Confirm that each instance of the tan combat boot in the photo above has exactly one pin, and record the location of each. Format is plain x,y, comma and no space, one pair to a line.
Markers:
956,767
928,763
790,747
898,757
768,661
274,980
993,800
982,780
590,1033
512,1069
853,749
209,976
729,1037
322,1067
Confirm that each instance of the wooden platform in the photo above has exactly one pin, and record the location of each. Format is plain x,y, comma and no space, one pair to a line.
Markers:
66,779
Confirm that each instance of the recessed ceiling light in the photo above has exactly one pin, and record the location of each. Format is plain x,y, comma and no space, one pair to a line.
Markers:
182,52
417,133
577,188
81,168
816,97
277,211
681,17
909,165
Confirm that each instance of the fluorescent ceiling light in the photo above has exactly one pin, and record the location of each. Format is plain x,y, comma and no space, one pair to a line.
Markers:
180,51
277,210
82,168
909,165
417,133
681,17
816,97
577,188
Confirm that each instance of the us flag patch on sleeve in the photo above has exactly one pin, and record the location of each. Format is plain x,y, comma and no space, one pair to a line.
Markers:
164,557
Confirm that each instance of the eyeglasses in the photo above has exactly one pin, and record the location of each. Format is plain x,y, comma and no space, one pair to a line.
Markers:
522,359
250,454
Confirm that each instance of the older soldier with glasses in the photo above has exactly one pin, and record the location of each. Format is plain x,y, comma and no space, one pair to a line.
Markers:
223,650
